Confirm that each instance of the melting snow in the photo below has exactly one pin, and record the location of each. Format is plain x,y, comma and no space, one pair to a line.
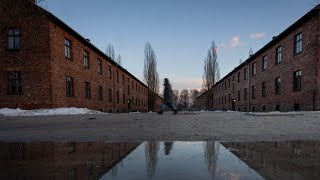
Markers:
45,112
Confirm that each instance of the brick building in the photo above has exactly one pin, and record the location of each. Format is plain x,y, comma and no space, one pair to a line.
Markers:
61,160
283,75
47,64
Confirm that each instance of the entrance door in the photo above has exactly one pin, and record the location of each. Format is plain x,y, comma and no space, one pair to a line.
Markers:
233,105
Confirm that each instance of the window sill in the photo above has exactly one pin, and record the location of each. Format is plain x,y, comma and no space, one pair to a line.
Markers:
13,50
14,94
279,93
72,96
296,54
296,90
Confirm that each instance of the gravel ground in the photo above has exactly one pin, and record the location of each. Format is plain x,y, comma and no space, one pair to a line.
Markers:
189,126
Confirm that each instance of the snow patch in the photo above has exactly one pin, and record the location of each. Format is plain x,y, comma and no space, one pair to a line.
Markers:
47,112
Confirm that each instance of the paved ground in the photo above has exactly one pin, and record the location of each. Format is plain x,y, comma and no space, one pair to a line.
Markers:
201,126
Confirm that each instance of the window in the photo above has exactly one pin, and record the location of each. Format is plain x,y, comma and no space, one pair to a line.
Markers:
69,87
245,74
238,77
118,98
99,66
132,85
277,85
86,61
253,92
109,71
123,98
238,95
264,63
225,85
15,86
128,90
278,55
100,93
117,76
245,93
233,78
87,90
298,43
110,95
229,97
297,80
228,83
264,89
233,88
13,39
123,79
67,48
254,69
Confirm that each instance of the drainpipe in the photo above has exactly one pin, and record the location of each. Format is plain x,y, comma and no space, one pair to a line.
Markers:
248,66
114,88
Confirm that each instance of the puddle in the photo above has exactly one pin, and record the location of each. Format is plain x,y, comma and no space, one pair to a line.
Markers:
160,160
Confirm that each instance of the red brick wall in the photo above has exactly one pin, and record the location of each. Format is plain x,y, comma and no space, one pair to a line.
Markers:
33,58
62,67
44,67
305,61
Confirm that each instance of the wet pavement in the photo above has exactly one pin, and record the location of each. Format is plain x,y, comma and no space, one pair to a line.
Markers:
160,160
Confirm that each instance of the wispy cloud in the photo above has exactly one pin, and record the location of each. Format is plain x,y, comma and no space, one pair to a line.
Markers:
258,35
235,41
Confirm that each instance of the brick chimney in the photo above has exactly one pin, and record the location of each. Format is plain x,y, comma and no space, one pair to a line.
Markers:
33,1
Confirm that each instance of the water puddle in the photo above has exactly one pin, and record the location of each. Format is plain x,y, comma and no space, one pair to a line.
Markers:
160,160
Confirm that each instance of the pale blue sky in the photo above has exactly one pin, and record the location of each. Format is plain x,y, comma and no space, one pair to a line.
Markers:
180,31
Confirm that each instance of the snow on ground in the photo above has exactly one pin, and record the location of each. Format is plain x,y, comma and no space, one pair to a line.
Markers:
46,112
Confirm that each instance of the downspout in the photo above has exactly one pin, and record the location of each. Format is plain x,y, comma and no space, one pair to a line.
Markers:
315,84
114,88
248,72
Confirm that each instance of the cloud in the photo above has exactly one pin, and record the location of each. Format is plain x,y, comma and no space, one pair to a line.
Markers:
235,41
258,35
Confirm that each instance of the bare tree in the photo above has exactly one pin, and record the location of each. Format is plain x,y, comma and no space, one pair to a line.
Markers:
119,59
151,153
150,74
184,98
110,52
175,94
194,93
211,72
211,151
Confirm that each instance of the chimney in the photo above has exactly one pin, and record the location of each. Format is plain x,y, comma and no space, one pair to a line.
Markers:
274,37
33,1
88,40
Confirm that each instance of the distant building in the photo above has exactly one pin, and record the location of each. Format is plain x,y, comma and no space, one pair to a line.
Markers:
284,75
46,64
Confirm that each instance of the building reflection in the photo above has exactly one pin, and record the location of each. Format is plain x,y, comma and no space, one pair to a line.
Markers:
51,160
280,160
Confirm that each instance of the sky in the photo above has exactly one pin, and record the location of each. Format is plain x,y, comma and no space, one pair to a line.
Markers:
180,31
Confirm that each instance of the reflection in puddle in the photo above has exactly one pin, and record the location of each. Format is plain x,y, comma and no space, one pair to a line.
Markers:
182,160
280,160
160,160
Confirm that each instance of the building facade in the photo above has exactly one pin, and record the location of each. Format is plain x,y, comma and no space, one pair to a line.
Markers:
284,75
46,64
